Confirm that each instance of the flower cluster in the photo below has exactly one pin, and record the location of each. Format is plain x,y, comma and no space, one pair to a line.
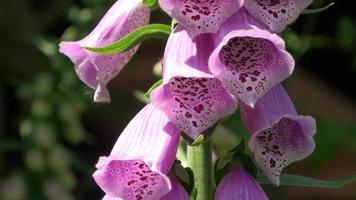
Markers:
223,54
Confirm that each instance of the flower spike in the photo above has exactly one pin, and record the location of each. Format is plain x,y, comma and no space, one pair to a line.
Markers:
239,185
142,157
97,70
279,136
200,16
190,95
276,14
249,59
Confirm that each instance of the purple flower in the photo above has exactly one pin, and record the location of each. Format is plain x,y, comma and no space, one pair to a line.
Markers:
276,14
138,165
279,136
97,70
177,193
239,185
200,16
248,58
191,96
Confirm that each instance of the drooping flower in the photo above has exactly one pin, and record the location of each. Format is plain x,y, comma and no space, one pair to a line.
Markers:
200,16
276,14
141,159
97,70
239,185
248,58
190,95
279,136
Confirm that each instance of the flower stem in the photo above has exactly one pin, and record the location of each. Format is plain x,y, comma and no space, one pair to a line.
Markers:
200,161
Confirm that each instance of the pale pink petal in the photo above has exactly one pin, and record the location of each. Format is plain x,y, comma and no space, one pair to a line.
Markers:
177,193
276,14
239,185
138,165
97,70
250,60
191,97
200,16
279,135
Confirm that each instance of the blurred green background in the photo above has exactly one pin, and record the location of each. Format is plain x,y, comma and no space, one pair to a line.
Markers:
51,134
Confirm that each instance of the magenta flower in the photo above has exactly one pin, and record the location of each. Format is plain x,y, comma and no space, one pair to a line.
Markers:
200,16
138,165
279,136
239,185
249,59
276,14
191,96
177,193
97,70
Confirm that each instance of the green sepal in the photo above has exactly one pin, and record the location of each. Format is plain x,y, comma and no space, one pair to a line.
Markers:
301,181
153,87
152,4
134,38
317,10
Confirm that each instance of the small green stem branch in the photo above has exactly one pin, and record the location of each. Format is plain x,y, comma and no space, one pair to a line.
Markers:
200,161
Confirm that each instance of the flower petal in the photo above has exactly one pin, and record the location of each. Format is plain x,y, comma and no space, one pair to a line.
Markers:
141,158
279,136
276,14
251,61
239,184
200,16
190,96
97,70
177,193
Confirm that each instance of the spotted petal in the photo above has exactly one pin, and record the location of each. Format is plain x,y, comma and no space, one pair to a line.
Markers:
239,185
279,135
191,97
276,14
97,70
200,16
141,158
250,60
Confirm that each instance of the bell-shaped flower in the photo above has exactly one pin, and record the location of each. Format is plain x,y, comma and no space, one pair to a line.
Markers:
248,58
239,185
200,16
97,70
190,95
177,192
279,136
141,159
276,14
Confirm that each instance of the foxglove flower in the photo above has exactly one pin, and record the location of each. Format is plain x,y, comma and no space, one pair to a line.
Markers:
248,58
276,14
177,192
142,157
190,95
97,70
239,185
200,16
279,136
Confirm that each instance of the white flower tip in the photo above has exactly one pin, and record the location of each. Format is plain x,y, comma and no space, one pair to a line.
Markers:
102,95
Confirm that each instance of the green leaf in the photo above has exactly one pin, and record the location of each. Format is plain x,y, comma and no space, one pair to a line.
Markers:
134,38
154,86
301,181
182,173
152,4
317,10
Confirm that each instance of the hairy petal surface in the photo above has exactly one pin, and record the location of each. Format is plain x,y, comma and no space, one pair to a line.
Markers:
279,136
191,97
200,16
97,70
239,185
276,14
141,158
250,60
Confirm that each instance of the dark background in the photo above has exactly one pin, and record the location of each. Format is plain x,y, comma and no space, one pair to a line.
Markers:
51,134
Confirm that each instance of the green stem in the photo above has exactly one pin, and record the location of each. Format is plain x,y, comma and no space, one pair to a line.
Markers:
200,161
